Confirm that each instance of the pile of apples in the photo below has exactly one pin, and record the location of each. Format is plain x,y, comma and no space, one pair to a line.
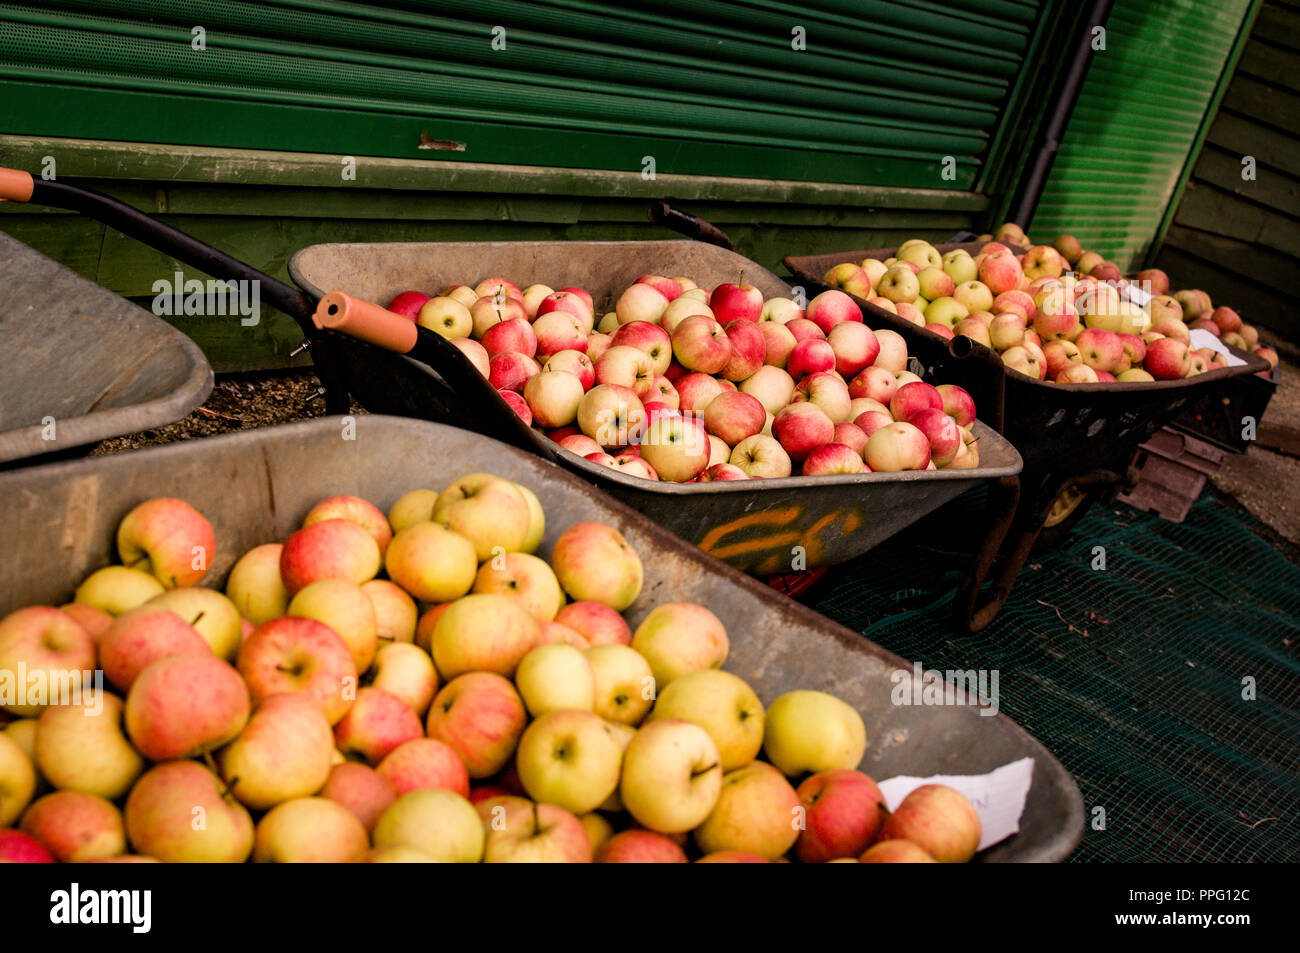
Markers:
1054,312
477,704
682,384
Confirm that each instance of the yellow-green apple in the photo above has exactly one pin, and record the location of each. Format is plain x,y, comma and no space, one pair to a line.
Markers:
19,848
959,266
483,632
526,579
345,608
919,251
462,293
625,366
22,732
143,635
896,851
684,307
183,706
1022,360
680,637
811,731
840,273
1042,261
640,847
424,763
43,645
946,311
533,296
509,371
761,456
773,386
781,310
377,723
480,716
594,563
75,826
720,450
406,671
800,427
17,779
623,686
213,616
1192,304
1250,334
362,512
169,539
284,752
975,295
596,622
734,415
396,613
555,677
82,747
939,820
1167,358
641,302
724,706
735,301
488,511
446,317
1197,365
569,758
677,447
831,459
757,812
331,549
672,776
843,812
612,415
255,587
361,789
1088,262
941,431
598,829
115,589
310,830
701,344
529,833
293,654
431,562
748,349
180,812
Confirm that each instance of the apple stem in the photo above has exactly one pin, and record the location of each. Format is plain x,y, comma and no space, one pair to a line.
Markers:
195,620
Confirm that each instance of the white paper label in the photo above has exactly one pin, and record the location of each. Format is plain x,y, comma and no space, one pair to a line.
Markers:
1201,338
998,797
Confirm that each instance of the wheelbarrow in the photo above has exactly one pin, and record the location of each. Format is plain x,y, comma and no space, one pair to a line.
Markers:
256,487
396,367
81,364
1076,440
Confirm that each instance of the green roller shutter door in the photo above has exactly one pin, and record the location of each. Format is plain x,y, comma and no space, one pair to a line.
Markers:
881,95
1139,123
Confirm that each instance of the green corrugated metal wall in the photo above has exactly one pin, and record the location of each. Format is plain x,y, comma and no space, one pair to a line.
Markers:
880,95
1138,123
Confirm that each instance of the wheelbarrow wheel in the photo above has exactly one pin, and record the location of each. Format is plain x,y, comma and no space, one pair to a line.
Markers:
1070,506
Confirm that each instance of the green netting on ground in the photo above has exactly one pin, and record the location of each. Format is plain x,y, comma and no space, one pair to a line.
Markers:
1132,675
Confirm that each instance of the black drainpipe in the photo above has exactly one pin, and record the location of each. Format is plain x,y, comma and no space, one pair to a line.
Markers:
1034,179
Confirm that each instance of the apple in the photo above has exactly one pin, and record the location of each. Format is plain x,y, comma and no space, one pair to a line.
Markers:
483,632
568,302
143,635
957,404
641,302
804,330
670,288
650,339
876,383
939,820
424,763
115,589
800,427
524,578
941,431
498,286
310,830
851,436
432,563
810,357
361,789
80,747
284,752
480,716
441,824
75,826
731,302
640,847
919,251
255,587
598,344
1167,359
832,308
912,398
974,296
623,683
1059,355
331,549
771,385
185,705
633,465
525,832
569,758
1100,349
701,344
680,637
377,723
1022,360
810,731
723,705
672,776
761,456
510,371
596,622
756,812
893,351
676,447
779,311
169,539
1077,374
595,563
841,273
488,511
345,608
1269,354
409,303
574,362
1007,330
1069,248
1193,303
19,848
832,459
935,283
292,654
552,334
52,649
869,422
946,312
735,416
959,266
555,677
18,770
627,367
748,349
843,812
898,284
95,620
164,808
681,309
612,415
406,671
778,342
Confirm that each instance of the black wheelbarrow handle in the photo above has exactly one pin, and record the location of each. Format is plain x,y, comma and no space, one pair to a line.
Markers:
686,224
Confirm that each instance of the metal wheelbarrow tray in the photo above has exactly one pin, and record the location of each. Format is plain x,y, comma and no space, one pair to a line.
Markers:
1076,440
81,364
256,487
755,526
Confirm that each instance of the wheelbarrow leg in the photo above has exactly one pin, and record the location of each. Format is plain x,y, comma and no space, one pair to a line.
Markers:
973,610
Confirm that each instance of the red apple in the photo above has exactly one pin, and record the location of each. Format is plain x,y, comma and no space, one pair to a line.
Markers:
942,432
649,338
831,308
296,654
748,349
801,427
851,435
1167,359
731,302
182,706
939,819
832,458
733,416
869,422
855,347
957,404
914,397
810,357
640,847
701,344
875,382
843,811
804,330
778,342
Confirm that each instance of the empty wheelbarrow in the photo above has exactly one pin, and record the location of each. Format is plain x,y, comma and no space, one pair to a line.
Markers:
256,487
765,527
